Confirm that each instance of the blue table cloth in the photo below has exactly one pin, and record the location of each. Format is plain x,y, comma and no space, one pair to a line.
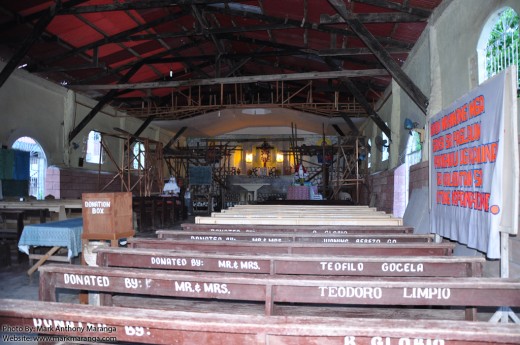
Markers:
63,233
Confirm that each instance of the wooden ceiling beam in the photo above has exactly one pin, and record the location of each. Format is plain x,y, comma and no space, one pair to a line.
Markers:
338,130
141,128
174,138
137,5
360,98
391,17
143,61
294,23
350,123
236,80
372,114
383,56
390,5
17,57
358,51
109,40
35,34
104,101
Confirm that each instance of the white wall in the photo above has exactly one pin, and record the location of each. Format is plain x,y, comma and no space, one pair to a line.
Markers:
34,107
443,65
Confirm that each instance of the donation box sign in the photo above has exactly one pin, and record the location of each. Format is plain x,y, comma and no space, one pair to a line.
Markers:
474,166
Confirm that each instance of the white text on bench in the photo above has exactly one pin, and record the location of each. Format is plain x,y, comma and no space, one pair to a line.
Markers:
80,279
351,292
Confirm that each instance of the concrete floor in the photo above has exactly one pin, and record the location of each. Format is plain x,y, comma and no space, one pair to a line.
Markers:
16,284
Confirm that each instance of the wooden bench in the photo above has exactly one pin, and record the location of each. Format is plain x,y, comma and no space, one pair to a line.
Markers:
402,266
295,237
404,249
299,208
295,220
283,211
22,317
315,229
268,290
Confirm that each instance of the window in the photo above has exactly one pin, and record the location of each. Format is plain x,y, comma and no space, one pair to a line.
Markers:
384,145
369,155
94,148
37,165
139,162
498,46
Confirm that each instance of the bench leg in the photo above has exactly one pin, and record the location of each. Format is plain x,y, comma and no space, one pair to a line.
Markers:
19,230
269,300
47,289
471,314
105,299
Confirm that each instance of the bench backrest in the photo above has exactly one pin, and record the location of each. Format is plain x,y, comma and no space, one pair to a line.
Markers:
160,327
315,229
318,220
402,266
235,247
294,237
403,291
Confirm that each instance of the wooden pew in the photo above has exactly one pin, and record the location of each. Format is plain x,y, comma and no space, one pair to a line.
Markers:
340,208
235,247
21,318
268,290
312,212
315,229
307,211
295,237
418,266
295,220
305,215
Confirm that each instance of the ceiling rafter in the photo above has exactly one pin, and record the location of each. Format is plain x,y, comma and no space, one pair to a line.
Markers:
104,101
138,5
372,114
396,6
390,17
296,23
108,39
306,52
214,39
124,67
395,70
37,31
233,80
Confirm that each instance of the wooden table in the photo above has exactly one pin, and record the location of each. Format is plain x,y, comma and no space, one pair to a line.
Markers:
63,233
59,206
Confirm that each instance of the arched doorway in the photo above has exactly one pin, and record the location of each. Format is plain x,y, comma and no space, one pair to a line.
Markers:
37,165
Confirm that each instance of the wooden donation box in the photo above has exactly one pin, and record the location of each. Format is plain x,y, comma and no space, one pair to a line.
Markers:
107,216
